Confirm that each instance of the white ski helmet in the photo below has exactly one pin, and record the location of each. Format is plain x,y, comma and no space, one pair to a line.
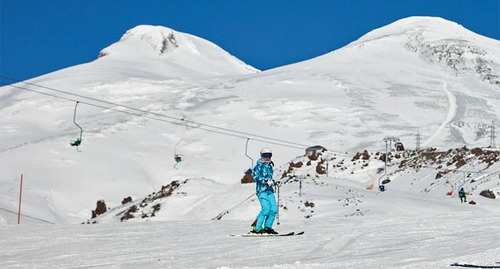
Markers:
266,151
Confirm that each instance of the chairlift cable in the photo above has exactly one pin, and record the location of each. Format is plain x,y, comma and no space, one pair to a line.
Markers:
175,121
148,112
158,119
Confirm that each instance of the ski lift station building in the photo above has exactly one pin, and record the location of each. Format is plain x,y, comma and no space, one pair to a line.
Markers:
311,150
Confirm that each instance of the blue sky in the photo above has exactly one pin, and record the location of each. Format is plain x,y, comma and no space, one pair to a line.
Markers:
38,37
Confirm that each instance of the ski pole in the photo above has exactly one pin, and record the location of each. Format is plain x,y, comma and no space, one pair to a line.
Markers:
278,210
218,217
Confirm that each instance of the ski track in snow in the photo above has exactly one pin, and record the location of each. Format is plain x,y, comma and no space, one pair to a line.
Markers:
426,241
452,110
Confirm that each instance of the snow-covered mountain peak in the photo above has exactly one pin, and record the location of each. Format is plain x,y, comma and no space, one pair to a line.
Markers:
161,39
439,41
176,52
149,40
431,27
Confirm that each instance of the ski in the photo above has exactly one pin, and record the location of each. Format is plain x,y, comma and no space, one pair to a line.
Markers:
267,235
473,265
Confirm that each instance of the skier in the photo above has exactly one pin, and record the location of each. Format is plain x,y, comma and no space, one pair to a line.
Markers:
263,176
461,194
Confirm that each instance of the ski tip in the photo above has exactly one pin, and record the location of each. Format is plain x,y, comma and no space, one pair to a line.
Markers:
473,265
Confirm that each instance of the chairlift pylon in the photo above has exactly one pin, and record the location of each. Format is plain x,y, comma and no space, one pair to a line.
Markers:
78,141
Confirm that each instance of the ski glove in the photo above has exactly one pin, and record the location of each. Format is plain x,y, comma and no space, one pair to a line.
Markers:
270,183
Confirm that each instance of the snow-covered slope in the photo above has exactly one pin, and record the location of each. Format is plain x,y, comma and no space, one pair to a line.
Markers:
328,185
432,241
417,74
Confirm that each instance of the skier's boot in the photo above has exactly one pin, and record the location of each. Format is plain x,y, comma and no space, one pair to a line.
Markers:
268,230
252,227
254,230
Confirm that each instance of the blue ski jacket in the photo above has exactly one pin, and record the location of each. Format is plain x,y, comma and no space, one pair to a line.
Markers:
263,172
461,192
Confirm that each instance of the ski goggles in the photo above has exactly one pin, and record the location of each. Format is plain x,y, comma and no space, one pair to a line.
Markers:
266,155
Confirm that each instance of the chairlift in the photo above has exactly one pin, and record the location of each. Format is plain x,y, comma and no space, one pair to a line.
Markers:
449,193
248,174
399,146
177,156
78,141
372,178
249,170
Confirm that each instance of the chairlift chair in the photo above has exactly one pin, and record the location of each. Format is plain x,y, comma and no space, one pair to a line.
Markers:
178,157
78,141
449,193
249,170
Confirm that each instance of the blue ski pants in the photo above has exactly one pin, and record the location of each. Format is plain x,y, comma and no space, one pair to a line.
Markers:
268,209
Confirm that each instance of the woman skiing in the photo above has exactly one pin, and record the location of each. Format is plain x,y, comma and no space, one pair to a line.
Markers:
263,176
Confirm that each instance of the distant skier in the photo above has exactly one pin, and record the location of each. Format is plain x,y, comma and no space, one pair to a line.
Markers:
461,194
263,176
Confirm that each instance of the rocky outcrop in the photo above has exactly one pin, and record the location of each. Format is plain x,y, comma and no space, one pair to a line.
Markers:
126,200
100,209
488,194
